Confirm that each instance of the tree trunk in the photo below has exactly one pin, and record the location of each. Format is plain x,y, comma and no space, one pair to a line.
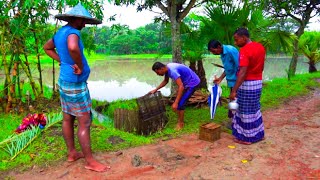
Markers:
176,49
26,68
202,75
294,60
7,82
298,33
312,66
175,33
192,66
38,63
18,83
198,68
12,101
176,42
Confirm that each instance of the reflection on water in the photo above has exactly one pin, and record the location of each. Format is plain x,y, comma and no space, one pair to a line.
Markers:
124,79
113,90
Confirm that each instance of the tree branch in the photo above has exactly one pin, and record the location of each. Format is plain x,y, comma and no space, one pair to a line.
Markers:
295,18
162,7
200,3
186,10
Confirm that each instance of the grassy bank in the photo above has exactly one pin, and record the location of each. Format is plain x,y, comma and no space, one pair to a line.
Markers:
49,148
47,61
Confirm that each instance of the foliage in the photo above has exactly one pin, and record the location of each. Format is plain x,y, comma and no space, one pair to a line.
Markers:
300,11
278,90
172,12
276,40
193,47
293,9
24,30
16,143
120,104
122,40
223,20
309,45
193,43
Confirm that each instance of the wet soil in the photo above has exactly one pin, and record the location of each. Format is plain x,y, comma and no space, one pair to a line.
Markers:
291,150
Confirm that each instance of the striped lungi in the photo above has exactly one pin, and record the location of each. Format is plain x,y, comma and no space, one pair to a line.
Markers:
247,123
75,98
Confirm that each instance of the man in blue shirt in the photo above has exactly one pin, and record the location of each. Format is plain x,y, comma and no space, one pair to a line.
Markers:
187,82
230,60
66,47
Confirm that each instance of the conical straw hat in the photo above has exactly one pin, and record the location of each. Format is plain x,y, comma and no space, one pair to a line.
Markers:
80,12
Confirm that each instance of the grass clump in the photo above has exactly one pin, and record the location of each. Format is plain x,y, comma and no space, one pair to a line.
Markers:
108,109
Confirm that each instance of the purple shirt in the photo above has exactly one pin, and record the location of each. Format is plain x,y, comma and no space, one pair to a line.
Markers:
188,77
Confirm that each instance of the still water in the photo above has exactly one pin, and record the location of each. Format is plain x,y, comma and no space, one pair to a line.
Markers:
123,79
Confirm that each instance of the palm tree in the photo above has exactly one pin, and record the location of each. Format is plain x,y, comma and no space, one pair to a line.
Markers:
309,45
193,47
220,23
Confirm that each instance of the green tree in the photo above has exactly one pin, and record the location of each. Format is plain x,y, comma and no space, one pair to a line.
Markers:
145,39
309,45
221,21
23,27
173,11
193,47
301,11
124,44
148,39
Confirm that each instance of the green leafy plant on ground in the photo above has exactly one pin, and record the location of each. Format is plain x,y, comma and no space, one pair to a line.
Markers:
49,147
16,143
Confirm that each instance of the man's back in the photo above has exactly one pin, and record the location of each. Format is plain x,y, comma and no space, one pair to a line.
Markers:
61,44
188,77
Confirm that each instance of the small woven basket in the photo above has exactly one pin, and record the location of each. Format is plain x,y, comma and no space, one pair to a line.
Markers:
210,132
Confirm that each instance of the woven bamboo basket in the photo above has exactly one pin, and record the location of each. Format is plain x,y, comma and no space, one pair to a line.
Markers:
149,118
210,132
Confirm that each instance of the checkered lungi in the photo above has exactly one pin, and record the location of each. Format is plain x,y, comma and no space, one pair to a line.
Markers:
247,123
75,98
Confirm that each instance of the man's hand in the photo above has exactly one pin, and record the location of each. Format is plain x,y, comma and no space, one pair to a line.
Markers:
217,80
174,106
76,69
232,96
153,91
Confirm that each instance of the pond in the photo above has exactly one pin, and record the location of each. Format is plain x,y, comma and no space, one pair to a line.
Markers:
126,79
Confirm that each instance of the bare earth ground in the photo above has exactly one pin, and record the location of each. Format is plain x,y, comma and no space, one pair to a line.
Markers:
291,150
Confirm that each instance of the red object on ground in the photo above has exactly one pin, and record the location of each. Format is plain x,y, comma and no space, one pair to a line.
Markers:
32,120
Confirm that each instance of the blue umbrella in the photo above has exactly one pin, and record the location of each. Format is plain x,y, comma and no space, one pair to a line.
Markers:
213,99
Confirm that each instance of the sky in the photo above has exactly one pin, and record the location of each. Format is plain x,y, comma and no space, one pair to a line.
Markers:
127,15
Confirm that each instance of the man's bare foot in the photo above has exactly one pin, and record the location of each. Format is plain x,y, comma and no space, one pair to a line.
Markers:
96,166
179,126
75,156
244,142
241,142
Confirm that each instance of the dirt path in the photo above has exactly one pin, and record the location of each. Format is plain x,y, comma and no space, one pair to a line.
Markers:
291,151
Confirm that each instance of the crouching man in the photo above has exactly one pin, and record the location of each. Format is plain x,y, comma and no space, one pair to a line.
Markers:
186,80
